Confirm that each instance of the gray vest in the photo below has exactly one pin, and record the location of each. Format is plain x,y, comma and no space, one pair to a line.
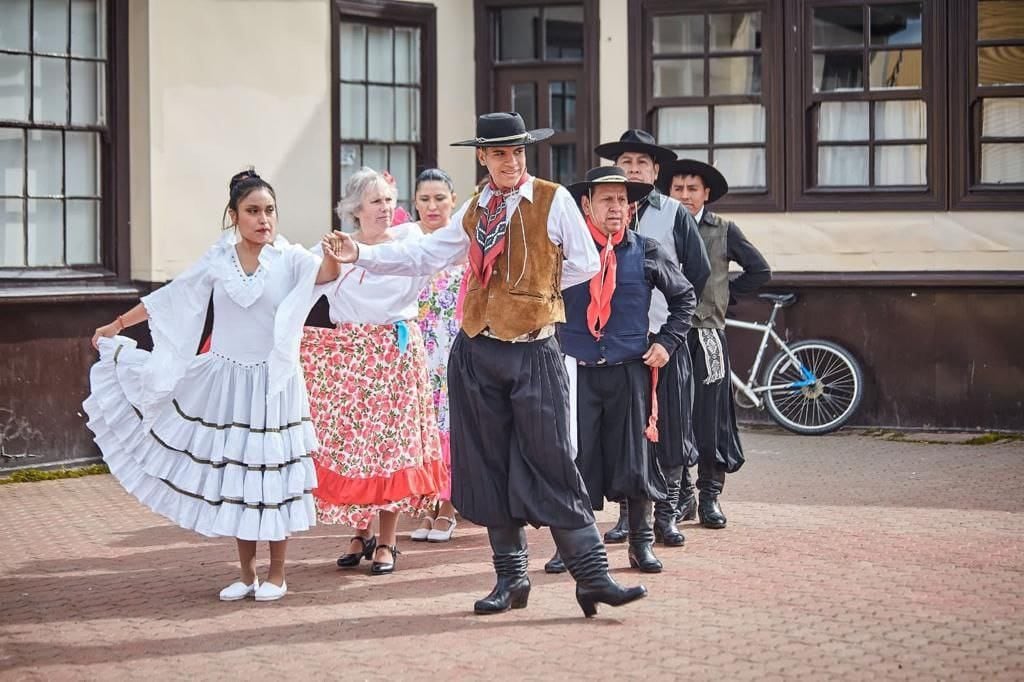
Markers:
714,232
657,223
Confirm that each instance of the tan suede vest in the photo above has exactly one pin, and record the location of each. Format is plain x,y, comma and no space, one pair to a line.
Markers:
524,292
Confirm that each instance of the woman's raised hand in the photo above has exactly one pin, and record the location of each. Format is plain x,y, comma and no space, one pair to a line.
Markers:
105,332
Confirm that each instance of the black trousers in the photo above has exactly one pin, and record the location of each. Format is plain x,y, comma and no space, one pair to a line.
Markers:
714,421
615,458
512,458
675,447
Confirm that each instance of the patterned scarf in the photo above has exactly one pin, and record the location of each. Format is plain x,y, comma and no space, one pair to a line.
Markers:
602,285
490,231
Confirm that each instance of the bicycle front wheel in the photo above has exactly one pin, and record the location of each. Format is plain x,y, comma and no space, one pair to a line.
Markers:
816,394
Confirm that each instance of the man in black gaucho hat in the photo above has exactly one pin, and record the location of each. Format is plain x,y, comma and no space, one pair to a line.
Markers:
512,459
618,361
696,184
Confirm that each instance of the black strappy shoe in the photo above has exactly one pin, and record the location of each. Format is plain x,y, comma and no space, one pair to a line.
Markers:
353,558
385,567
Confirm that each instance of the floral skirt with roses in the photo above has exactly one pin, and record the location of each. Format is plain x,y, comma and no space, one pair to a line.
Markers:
372,408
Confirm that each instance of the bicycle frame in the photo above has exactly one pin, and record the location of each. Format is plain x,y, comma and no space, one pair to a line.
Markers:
750,389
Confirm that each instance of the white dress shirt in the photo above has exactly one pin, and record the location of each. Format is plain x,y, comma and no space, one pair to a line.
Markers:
449,245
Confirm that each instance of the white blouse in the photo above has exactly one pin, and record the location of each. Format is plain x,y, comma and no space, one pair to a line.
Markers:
364,297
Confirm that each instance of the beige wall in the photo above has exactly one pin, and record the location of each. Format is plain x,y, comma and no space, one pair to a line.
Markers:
613,60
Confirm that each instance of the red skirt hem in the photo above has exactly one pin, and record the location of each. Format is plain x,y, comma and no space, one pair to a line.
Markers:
335,489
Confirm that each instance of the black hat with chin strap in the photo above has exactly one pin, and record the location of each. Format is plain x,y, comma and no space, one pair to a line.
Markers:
504,129
635,140
712,177
605,175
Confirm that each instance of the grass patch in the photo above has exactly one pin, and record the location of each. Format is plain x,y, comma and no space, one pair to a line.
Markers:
30,475
988,438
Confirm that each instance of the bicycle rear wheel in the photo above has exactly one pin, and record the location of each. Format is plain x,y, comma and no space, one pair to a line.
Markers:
818,395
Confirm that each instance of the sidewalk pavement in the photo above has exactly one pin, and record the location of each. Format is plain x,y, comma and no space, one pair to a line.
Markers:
846,557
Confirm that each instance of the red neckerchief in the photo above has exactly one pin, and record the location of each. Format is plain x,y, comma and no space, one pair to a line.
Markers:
602,285
490,231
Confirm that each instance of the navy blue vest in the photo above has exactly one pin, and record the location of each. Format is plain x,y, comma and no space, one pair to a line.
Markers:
625,335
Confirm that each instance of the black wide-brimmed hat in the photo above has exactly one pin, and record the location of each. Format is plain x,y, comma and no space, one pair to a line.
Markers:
712,178
606,175
635,140
503,129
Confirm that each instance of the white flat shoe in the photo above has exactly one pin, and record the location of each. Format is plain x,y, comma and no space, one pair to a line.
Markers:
442,535
270,592
420,534
239,590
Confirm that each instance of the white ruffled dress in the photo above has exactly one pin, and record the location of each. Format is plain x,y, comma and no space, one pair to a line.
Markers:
218,443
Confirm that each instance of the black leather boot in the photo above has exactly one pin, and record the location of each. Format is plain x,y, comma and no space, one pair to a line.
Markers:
555,564
620,531
512,589
686,506
710,512
587,561
641,537
665,530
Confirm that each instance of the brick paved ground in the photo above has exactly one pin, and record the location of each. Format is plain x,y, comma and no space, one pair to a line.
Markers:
846,557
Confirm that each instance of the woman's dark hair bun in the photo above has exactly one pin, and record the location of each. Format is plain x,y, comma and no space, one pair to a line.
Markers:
240,177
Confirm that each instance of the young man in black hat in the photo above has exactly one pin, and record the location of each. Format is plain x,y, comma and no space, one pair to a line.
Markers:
696,184
512,460
606,331
665,220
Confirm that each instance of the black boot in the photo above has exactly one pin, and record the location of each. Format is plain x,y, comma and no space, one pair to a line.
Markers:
686,506
665,530
555,565
641,537
620,531
512,589
587,561
710,512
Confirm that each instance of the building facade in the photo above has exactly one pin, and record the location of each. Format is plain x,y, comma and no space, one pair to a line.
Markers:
875,152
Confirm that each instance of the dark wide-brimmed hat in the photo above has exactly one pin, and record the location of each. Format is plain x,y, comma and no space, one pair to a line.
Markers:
503,129
712,178
608,175
635,140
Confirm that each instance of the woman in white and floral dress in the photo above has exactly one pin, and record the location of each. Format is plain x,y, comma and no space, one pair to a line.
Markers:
220,443
439,323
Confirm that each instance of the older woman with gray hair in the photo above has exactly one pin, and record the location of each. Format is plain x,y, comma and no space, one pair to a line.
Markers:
370,397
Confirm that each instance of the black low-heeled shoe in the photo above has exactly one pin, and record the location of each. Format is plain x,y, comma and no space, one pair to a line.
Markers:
353,558
385,567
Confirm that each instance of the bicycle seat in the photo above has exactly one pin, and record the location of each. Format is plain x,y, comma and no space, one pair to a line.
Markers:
782,300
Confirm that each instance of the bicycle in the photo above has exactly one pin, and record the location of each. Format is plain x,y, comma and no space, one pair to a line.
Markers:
810,387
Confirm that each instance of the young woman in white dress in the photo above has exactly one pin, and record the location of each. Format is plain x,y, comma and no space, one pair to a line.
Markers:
220,443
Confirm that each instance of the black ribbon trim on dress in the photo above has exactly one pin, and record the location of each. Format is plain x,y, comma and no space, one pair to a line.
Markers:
224,463
233,500
236,425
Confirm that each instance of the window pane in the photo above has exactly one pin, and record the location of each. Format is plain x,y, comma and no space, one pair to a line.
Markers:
901,120
45,163
895,69
678,77
86,29
684,33
1002,65
838,26
402,168
1003,117
380,59
683,125
407,55
736,31
14,26
12,233
739,123
381,114
1000,19
838,72
563,104
352,52
83,164
375,156
842,166
743,167
896,24
524,100
12,161
901,164
14,87
50,26
517,33
83,232
351,161
563,32
86,93
407,114
1003,162
50,90
735,75
698,154
353,111
843,121
45,232
563,163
